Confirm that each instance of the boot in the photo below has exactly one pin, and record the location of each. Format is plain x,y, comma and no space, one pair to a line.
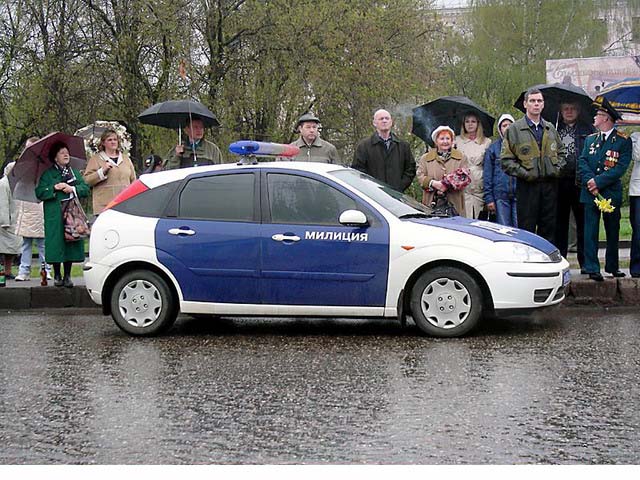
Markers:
8,265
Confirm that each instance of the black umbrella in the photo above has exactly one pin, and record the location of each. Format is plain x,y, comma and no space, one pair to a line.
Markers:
177,113
554,94
447,111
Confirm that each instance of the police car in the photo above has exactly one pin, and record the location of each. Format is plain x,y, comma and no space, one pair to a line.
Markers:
306,239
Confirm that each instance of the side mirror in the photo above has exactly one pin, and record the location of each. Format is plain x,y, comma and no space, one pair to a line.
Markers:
353,218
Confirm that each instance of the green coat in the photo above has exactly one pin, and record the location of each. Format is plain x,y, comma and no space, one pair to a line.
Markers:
521,157
56,249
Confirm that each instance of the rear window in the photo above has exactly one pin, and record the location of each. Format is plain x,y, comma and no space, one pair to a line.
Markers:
220,198
151,203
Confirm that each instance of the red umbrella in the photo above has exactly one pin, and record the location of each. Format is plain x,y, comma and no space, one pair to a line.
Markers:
25,176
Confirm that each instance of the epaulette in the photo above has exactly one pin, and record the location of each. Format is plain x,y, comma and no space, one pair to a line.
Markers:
622,134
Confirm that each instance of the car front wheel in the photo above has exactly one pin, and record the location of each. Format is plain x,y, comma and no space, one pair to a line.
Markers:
142,304
446,302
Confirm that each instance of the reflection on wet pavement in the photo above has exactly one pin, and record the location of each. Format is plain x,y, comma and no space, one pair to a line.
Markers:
559,387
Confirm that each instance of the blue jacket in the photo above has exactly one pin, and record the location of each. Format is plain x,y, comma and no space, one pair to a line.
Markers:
497,183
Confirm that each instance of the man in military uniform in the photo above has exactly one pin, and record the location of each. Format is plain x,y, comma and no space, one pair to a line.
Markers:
312,147
604,159
533,152
194,150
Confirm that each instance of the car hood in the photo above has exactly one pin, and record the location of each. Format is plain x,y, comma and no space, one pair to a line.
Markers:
489,230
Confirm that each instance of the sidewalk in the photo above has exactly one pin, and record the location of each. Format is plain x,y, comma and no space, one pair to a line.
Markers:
30,295
581,291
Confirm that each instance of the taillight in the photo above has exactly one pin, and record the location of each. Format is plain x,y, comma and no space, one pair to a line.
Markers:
131,191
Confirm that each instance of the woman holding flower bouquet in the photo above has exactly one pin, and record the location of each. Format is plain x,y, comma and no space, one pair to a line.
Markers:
437,164
109,171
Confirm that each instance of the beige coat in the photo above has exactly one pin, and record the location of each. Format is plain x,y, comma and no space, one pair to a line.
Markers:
30,219
431,166
473,151
106,187
10,243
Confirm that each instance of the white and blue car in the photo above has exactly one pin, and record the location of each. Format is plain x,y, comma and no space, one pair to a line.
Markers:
306,239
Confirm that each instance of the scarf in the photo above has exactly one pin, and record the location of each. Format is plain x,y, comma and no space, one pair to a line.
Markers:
445,156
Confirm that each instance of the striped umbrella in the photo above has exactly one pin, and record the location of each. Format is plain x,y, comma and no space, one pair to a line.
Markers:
624,96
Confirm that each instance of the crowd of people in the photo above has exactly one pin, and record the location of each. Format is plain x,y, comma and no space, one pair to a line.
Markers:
533,176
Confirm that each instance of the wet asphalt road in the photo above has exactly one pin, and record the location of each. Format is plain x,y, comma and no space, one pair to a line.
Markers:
560,387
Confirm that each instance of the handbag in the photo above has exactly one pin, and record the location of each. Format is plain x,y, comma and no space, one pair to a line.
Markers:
442,207
75,221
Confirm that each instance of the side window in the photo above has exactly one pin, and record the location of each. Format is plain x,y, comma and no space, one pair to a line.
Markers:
300,200
219,197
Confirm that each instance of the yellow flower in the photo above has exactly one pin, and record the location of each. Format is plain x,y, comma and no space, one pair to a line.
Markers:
604,204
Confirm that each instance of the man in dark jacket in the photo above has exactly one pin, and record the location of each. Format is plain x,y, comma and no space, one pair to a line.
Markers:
572,133
384,156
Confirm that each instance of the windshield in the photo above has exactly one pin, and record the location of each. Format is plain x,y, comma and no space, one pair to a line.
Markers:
397,203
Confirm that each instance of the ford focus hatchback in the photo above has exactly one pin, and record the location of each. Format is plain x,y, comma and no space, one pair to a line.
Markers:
306,239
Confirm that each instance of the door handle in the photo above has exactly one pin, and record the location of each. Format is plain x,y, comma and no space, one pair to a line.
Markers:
179,231
279,237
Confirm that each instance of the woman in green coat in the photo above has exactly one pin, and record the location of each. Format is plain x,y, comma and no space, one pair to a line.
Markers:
58,184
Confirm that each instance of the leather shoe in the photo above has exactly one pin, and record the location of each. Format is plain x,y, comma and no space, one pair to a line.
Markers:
67,282
635,275
57,282
617,274
597,277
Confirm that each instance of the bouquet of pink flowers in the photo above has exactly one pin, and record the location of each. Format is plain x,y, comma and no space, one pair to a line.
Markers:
458,179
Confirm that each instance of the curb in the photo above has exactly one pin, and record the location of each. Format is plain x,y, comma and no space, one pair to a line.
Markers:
580,292
611,292
37,297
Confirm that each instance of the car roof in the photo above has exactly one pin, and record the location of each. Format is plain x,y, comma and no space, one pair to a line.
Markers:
152,180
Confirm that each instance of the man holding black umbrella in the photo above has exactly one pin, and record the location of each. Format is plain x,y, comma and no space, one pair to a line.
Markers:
194,150
572,132
533,153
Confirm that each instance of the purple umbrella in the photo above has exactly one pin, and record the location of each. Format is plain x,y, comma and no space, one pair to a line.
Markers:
32,163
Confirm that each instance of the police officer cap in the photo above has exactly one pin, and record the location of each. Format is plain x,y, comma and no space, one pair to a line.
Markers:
601,103
307,117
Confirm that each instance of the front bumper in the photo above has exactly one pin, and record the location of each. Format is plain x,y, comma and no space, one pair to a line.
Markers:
526,286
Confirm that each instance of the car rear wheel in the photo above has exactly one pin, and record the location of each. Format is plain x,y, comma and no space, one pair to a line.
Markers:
446,302
142,304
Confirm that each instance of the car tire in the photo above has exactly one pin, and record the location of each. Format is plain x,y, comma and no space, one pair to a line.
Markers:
142,304
446,302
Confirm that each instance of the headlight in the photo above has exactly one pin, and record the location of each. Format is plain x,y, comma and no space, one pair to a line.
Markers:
519,252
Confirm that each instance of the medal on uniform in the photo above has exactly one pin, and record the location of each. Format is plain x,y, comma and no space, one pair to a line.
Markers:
611,159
